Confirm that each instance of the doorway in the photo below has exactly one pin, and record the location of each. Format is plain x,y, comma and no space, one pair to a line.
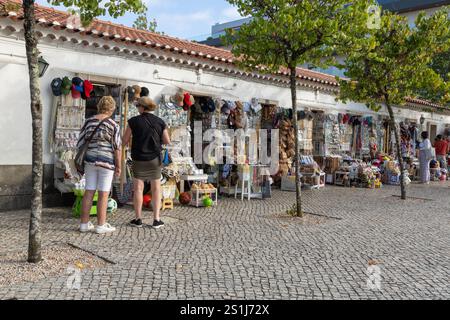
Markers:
433,132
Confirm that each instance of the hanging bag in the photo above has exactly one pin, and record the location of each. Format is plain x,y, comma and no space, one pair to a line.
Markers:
160,151
81,153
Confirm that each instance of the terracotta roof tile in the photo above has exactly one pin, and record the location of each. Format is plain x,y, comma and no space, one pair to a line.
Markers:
52,15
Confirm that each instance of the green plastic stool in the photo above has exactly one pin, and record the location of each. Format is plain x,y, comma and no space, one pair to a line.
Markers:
76,209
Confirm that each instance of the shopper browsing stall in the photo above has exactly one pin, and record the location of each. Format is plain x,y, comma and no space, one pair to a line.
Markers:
425,156
441,147
102,160
148,133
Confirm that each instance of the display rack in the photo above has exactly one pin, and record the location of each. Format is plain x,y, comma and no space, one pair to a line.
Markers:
69,117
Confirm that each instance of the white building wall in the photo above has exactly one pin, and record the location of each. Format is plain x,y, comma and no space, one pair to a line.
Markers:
15,120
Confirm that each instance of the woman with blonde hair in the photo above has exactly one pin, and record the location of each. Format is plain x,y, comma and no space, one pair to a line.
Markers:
148,134
102,161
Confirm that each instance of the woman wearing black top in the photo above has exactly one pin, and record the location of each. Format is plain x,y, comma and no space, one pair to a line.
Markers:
148,133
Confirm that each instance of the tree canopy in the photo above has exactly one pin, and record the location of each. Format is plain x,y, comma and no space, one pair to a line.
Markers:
90,9
441,65
291,32
394,60
143,23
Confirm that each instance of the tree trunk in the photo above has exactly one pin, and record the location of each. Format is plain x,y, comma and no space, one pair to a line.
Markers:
298,190
34,243
399,149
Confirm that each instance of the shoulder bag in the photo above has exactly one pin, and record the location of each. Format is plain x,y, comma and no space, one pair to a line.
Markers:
81,153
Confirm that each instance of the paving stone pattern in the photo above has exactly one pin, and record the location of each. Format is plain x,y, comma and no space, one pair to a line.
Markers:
242,250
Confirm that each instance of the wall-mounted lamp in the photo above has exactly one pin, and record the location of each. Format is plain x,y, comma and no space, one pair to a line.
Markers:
422,119
156,74
43,66
199,73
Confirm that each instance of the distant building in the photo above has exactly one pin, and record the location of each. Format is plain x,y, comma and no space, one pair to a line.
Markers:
218,29
408,8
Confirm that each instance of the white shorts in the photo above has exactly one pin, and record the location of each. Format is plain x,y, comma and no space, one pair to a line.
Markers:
98,178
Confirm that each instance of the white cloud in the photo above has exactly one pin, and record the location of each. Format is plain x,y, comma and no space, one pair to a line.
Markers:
231,13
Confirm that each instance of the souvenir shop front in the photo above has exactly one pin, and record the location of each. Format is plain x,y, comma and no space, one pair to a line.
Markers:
356,149
185,181
335,148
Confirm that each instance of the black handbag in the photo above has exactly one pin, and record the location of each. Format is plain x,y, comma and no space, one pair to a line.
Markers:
81,153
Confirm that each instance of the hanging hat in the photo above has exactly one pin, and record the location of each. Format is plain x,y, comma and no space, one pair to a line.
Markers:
225,108
137,92
130,92
87,89
211,104
177,98
331,117
76,94
301,115
147,104
187,100
78,82
144,92
66,85
351,119
310,116
231,105
203,104
197,108
345,118
56,86
77,87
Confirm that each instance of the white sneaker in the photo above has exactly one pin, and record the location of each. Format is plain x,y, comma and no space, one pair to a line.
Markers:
86,227
106,228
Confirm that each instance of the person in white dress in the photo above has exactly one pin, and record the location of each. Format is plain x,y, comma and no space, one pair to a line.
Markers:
425,156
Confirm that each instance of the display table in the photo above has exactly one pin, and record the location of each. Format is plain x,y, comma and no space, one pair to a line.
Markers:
308,180
342,178
192,178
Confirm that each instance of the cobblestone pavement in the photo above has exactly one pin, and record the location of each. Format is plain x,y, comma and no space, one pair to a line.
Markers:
242,250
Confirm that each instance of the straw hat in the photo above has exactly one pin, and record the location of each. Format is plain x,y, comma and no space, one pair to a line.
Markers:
137,91
177,98
147,103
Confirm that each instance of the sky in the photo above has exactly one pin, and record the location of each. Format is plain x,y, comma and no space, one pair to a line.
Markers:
186,19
